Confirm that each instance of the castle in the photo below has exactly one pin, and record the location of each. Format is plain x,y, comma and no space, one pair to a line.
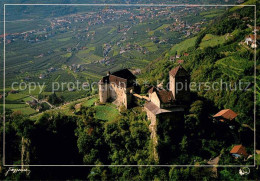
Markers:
118,87
161,105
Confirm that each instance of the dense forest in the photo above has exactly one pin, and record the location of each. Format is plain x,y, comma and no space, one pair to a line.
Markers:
82,138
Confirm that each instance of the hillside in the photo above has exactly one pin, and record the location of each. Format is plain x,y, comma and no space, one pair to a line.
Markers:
218,53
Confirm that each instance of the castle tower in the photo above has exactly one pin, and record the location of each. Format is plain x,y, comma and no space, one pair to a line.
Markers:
103,87
179,84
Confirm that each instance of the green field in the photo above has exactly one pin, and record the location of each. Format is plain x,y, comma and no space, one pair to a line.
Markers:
210,40
90,102
211,14
26,110
64,39
14,97
23,108
87,55
183,46
151,46
106,112
150,33
67,55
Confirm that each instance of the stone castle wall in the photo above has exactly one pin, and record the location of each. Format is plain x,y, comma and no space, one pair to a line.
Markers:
103,92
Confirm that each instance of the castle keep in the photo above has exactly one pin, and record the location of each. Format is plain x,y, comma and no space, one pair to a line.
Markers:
117,87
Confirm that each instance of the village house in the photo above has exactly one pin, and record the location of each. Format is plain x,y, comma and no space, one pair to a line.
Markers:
225,115
136,71
41,76
185,54
226,120
180,61
250,40
32,103
238,151
117,87
172,58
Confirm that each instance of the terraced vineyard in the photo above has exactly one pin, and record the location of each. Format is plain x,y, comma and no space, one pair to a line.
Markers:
210,40
234,66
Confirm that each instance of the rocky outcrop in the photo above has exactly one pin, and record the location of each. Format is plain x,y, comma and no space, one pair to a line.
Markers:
153,130
25,154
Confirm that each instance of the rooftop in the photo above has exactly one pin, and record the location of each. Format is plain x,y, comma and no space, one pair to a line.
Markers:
239,149
124,73
121,78
178,72
164,95
154,109
226,114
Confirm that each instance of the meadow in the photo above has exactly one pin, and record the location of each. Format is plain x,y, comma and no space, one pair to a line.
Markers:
183,46
210,40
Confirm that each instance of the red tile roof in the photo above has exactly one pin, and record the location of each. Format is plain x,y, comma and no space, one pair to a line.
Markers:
239,149
226,114
180,61
186,54
252,36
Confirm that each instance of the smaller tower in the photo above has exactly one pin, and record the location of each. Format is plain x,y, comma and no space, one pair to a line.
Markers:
180,84
103,87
